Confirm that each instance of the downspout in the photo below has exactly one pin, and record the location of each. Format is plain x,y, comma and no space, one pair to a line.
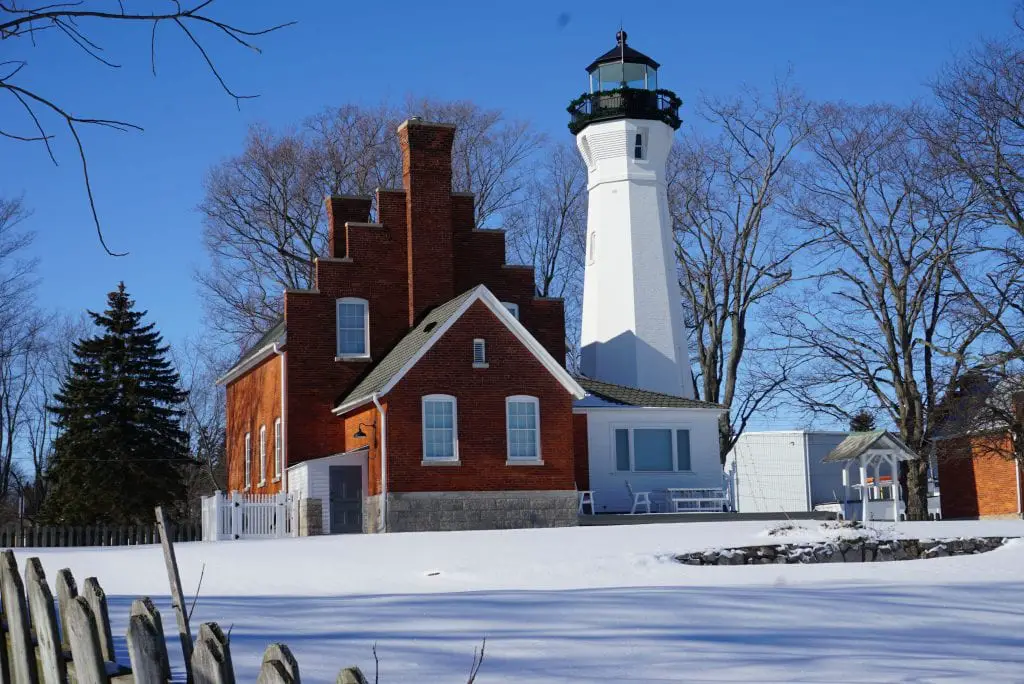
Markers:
284,422
1017,469
807,469
383,463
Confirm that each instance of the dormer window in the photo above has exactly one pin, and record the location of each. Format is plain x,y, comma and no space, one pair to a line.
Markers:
512,309
353,318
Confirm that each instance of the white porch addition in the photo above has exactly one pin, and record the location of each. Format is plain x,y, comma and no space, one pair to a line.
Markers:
871,453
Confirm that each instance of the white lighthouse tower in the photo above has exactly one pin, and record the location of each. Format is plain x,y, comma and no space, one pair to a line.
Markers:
632,331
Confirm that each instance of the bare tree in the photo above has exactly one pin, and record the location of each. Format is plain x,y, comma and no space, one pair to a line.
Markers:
48,365
983,415
204,420
547,230
264,216
27,25
727,194
885,319
978,138
19,335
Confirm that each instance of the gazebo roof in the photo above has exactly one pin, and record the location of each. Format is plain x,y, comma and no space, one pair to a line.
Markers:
858,444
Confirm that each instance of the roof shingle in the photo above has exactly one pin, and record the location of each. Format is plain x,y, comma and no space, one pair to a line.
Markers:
631,396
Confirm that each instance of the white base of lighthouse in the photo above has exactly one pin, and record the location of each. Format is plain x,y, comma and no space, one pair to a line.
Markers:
632,332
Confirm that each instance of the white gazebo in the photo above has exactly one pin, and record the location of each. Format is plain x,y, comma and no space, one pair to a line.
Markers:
872,450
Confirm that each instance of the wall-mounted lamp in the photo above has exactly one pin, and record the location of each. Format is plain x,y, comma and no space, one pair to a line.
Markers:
359,434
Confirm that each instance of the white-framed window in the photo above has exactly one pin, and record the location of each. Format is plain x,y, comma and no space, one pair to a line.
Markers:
263,455
278,449
479,353
440,428
522,416
353,318
592,247
247,458
652,449
512,309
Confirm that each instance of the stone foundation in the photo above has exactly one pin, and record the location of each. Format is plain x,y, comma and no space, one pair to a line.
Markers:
848,551
311,517
443,511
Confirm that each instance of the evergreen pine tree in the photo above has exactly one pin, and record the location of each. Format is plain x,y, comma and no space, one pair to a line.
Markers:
120,450
862,421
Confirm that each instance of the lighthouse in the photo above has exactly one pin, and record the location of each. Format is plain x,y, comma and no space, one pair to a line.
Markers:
632,330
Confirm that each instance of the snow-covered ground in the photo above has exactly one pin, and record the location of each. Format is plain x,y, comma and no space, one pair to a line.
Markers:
591,604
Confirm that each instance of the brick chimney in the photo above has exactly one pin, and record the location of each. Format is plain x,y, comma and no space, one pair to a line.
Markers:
427,176
342,209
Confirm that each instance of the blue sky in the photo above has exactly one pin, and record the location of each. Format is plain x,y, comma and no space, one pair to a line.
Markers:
525,58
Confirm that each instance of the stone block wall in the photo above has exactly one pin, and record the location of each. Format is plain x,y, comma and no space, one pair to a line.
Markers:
311,517
445,511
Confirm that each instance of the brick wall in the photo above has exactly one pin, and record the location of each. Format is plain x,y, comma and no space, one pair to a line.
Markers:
975,482
424,227
254,399
480,404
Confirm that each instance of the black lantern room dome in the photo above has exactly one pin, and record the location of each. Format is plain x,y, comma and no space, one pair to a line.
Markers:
624,85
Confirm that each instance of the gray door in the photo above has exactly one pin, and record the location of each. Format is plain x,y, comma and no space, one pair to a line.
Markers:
346,499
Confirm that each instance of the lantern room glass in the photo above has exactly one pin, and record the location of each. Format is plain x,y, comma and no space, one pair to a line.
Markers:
623,75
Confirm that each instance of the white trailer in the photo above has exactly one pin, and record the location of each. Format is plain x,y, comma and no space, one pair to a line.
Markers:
783,472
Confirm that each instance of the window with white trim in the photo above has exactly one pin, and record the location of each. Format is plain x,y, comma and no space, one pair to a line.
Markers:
512,309
353,319
440,428
652,449
263,455
479,353
592,247
247,458
278,449
522,416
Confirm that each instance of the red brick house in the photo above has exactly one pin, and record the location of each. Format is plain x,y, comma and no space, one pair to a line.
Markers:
979,475
420,383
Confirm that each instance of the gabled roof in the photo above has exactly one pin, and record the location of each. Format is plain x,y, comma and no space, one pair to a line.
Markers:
631,396
260,349
400,360
857,443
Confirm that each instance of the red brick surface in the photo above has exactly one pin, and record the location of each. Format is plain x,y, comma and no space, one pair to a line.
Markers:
425,251
480,404
253,400
975,482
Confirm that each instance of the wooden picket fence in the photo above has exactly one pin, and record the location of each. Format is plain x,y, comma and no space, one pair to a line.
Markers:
72,641
25,535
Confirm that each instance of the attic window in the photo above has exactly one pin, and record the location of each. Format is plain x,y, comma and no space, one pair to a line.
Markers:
479,353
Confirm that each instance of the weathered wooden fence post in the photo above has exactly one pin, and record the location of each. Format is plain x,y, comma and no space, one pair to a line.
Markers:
12,593
279,666
53,669
145,608
98,605
67,590
211,660
85,643
351,675
177,596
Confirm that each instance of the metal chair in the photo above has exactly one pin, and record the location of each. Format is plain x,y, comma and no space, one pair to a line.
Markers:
638,499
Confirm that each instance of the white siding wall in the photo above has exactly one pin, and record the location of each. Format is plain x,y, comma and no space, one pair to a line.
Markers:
609,485
771,472
826,478
311,479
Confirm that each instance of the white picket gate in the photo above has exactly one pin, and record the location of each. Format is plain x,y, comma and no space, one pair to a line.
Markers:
248,516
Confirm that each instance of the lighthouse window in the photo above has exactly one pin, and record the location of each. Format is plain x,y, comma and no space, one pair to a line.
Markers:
639,149
592,247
